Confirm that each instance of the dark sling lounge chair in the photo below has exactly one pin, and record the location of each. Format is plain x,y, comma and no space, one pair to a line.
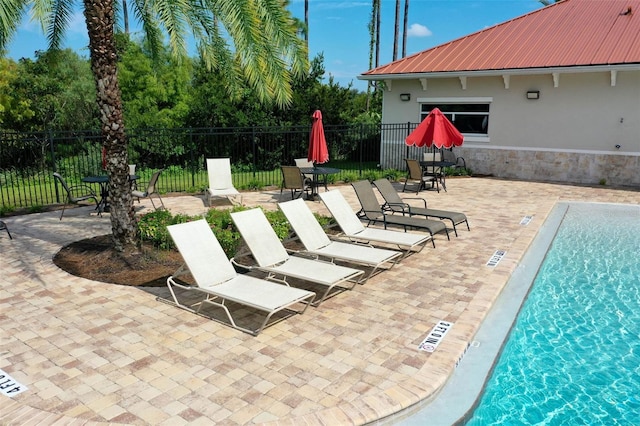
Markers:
395,204
372,212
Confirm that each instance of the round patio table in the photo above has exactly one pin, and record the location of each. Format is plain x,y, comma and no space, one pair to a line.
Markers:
438,164
103,181
316,172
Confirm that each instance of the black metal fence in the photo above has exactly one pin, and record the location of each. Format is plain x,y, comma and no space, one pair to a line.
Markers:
27,160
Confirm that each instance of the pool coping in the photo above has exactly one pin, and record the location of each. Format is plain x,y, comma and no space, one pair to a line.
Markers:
458,397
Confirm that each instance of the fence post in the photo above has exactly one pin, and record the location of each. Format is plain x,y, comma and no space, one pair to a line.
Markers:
361,147
192,160
407,146
254,144
54,167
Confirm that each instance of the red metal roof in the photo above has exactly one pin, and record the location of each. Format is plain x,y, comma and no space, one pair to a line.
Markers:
566,34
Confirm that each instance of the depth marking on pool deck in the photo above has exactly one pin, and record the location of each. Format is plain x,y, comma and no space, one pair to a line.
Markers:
9,386
525,220
433,339
496,258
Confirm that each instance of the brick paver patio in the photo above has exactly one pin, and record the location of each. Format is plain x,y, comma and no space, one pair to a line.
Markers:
96,353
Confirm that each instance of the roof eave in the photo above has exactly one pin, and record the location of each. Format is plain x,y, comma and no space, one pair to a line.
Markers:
492,73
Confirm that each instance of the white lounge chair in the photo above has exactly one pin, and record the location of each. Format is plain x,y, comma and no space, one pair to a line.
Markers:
317,243
354,230
220,183
216,277
272,257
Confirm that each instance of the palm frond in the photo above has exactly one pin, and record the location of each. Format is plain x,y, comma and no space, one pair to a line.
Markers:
61,13
11,12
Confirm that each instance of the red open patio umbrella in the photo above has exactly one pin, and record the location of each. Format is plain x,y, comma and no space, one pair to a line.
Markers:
435,129
318,151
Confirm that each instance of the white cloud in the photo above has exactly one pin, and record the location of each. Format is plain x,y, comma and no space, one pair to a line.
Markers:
417,30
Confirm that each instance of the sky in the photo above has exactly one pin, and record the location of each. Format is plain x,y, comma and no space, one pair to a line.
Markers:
339,30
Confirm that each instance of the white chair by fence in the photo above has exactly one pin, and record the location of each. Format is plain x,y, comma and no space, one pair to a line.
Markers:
220,183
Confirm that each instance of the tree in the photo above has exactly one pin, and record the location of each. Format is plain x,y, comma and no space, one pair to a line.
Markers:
404,31
306,22
58,89
374,43
265,52
14,110
154,90
396,32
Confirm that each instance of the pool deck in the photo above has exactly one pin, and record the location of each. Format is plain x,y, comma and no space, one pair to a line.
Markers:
92,353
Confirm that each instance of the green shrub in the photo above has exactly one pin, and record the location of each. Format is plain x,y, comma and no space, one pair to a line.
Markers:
4,210
225,231
324,221
153,227
350,177
36,209
279,223
371,175
253,185
460,171
393,174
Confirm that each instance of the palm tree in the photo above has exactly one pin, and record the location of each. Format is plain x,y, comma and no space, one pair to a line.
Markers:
266,53
374,43
306,22
125,16
396,33
404,31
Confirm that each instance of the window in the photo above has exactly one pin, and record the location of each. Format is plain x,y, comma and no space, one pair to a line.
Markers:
469,117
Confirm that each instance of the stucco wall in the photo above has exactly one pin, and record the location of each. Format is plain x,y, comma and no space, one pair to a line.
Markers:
570,134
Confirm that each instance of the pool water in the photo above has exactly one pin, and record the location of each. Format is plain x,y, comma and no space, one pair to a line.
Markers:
573,355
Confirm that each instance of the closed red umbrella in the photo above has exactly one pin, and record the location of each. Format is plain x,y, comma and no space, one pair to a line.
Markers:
318,151
435,129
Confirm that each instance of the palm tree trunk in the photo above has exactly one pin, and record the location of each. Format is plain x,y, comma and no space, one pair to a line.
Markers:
396,32
99,15
404,31
378,17
306,22
125,17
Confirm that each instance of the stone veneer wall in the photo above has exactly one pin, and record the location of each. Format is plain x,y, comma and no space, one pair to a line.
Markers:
554,166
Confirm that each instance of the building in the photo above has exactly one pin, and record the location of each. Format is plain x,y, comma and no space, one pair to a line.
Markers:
552,95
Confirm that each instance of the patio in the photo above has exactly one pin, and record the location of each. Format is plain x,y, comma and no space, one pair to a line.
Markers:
94,353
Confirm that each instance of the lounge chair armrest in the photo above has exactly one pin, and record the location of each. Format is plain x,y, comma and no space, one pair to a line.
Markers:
337,236
364,214
403,208
178,283
424,202
235,263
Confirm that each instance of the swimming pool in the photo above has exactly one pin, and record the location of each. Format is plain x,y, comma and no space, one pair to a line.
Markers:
573,355
577,360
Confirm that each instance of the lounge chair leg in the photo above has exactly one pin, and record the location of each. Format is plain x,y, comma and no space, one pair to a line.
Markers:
6,228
